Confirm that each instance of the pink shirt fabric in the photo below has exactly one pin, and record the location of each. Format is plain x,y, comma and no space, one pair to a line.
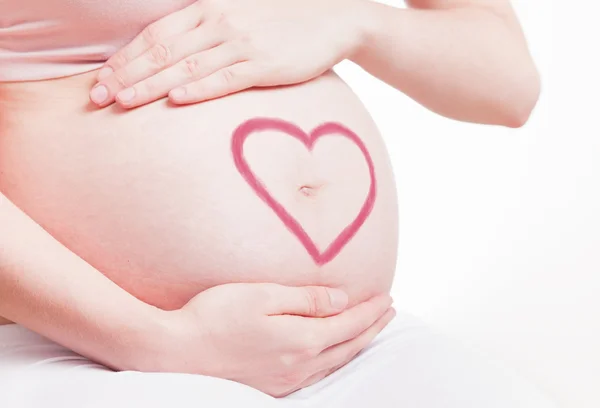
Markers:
44,39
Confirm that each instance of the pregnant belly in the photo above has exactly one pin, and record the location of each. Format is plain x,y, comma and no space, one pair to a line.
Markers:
289,185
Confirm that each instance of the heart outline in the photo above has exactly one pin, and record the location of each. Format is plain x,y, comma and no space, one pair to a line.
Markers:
243,131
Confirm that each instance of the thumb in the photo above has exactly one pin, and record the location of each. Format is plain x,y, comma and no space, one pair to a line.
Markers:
309,301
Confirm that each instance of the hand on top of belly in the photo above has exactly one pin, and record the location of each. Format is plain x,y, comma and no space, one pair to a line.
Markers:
274,338
213,48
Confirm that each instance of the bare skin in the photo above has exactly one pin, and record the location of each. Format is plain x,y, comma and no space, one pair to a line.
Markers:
152,219
441,56
149,218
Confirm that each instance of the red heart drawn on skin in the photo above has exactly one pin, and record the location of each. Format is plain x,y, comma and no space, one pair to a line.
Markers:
286,128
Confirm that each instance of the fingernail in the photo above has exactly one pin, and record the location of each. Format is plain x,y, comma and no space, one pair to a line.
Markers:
104,72
126,95
99,94
338,298
177,93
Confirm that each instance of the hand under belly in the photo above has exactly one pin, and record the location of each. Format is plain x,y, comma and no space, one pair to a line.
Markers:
289,185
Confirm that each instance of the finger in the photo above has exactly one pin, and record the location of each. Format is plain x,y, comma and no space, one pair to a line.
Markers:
311,301
159,57
350,323
339,355
323,373
226,81
175,23
336,357
188,70
156,59
315,378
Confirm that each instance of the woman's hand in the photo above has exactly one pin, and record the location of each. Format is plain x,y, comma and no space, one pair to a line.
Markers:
274,338
216,47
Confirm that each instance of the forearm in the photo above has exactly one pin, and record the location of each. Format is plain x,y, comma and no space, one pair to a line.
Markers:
465,63
47,288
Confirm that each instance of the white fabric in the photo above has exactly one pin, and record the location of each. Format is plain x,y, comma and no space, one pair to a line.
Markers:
407,366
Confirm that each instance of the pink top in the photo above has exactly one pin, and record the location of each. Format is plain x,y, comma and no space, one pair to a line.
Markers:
43,39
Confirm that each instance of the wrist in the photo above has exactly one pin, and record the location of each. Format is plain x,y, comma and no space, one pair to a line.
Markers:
365,21
144,343
162,343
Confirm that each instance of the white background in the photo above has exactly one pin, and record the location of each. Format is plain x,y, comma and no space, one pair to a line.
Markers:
500,228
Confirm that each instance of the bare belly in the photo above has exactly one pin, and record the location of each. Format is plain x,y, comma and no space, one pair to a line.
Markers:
153,197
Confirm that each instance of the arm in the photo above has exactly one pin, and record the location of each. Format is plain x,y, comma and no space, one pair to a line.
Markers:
50,290
463,59
274,338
